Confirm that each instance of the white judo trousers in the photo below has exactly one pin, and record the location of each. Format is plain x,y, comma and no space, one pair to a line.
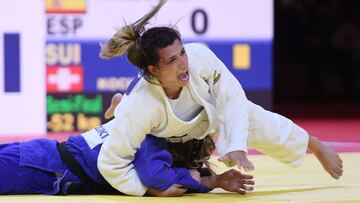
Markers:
276,136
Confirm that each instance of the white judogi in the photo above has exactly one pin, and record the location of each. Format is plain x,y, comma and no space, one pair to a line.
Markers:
226,112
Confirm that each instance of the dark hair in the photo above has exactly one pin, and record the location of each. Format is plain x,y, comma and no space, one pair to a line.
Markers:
193,154
152,40
141,46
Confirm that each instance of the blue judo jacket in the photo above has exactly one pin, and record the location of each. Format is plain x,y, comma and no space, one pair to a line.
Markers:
43,171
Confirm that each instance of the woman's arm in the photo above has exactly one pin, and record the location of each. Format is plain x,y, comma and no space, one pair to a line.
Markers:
153,164
231,105
173,191
130,127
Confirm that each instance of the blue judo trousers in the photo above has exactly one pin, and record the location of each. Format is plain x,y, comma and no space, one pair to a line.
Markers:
36,167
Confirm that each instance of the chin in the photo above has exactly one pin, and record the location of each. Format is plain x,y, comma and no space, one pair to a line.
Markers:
182,84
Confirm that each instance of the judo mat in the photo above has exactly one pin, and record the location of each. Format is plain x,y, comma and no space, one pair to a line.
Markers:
275,182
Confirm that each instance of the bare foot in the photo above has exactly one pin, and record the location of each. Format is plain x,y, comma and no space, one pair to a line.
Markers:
115,100
328,157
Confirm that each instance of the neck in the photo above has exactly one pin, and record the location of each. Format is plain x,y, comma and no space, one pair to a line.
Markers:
172,93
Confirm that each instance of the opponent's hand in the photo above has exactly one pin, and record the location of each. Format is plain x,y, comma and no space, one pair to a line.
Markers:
234,181
115,100
173,191
238,158
195,174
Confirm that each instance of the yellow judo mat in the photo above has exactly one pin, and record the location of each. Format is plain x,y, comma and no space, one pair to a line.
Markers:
275,182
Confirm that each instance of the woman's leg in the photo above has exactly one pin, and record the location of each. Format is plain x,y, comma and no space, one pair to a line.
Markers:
328,157
16,179
115,100
280,138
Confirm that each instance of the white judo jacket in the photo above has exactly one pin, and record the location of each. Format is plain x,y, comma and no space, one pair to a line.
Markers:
146,110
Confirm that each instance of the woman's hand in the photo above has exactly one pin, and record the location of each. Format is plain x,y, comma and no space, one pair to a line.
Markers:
238,158
231,180
173,191
195,174
234,181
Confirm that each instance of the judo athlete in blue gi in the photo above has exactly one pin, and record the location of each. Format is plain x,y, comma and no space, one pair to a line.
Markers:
44,166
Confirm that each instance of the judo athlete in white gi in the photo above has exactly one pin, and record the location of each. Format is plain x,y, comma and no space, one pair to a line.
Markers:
43,166
185,92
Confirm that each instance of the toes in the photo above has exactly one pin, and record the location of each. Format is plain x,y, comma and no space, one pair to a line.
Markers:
340,163
335,173
339,159
338,171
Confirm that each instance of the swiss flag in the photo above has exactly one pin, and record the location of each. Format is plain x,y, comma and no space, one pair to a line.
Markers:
60,79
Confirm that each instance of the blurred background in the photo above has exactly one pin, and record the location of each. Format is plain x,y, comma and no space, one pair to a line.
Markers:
300,58
317,58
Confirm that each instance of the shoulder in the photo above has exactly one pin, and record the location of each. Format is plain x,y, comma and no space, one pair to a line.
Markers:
143,97
199,54
200,59
197,49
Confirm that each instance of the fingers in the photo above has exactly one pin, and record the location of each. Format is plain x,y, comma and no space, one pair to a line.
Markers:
178,192
228,162
235,181
243,189
174,191
245,176
245,179
237,158
240,191
241,175
249,182
195,174
247,188
246,164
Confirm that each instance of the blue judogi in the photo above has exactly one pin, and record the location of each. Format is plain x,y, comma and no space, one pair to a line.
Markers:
31,167
153,165
35,167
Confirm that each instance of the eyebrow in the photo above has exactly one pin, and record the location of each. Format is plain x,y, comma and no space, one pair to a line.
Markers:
172,57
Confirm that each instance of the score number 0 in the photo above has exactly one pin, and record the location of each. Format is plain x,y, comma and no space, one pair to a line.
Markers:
199,21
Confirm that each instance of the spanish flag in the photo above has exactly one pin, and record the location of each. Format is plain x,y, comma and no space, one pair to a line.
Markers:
65,6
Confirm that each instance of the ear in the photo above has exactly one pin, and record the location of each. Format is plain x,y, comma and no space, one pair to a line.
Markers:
153,70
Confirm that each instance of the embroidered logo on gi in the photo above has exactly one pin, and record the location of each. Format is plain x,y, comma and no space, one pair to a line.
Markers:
102,132
216,76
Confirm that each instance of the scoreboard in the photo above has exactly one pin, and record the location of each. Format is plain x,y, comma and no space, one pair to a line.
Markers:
78,85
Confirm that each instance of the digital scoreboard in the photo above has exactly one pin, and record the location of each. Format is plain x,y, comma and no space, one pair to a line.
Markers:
73,86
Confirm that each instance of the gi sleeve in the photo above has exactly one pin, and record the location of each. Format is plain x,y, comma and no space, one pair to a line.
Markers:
153,164
231,104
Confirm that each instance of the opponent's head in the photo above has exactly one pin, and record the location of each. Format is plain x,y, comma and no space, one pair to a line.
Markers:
192,154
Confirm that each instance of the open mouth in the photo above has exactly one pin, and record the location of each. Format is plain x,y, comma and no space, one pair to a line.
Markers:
183,76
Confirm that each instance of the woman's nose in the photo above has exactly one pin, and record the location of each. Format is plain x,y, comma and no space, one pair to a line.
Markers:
183,62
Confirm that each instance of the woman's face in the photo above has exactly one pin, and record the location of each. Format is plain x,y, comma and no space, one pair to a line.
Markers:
172,69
